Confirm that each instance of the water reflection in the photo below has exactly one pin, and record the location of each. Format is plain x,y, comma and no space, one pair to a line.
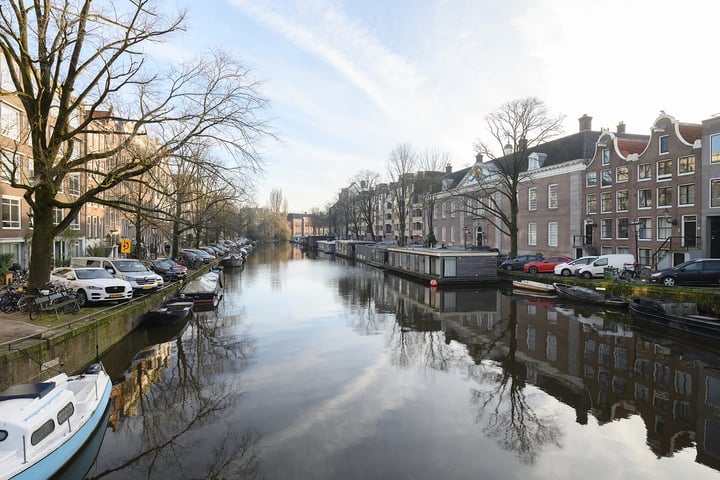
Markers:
165,406
318,368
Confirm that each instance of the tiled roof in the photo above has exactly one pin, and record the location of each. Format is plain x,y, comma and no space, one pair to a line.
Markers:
690,131
628,146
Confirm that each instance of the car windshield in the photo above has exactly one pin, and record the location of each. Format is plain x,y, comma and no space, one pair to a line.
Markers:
130,266
85,274
162,264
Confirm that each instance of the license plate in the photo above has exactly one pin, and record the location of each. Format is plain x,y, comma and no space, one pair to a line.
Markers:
116,295
147,287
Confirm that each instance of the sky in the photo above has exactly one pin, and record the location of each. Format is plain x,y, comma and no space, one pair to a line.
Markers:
349,81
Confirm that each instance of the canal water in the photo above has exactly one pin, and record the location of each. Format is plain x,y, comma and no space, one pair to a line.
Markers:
313,368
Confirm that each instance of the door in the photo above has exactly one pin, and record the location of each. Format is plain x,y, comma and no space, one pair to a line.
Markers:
689,229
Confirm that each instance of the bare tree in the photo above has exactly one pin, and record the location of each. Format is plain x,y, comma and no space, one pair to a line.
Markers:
433,160
365,183
516,127
278,203
401,168
78,69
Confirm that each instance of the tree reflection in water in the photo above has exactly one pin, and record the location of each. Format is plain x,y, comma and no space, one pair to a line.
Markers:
178,411
505,407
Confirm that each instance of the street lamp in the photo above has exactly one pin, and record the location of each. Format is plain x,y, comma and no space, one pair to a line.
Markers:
636,225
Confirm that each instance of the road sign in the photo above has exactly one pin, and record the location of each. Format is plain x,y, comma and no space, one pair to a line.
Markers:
125,246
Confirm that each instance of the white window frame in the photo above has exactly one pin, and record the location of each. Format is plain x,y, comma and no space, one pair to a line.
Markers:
74,184
532,234
690,162
660,144
552,233
13,204
532,199
553,192
10,119
680,196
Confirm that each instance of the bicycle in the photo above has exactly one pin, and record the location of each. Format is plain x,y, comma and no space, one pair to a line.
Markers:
635,270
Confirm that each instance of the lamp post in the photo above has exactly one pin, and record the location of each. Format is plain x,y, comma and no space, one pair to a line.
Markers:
153,230
636,225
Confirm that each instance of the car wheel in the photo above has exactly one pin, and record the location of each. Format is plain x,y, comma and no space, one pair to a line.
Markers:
508,267
586,275
565,272
81,297
668,281
532,270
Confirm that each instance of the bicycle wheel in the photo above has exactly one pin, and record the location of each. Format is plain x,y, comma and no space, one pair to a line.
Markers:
626,275
23,304
645,272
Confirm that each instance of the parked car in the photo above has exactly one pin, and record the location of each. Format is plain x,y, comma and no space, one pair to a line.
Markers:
170,272
130,269
92,284
596,268
545,266
701,271
189,259
205,256
519,262
569,268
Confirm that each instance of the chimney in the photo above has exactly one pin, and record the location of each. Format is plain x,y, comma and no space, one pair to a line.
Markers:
448,168
620,127
585,122
479,158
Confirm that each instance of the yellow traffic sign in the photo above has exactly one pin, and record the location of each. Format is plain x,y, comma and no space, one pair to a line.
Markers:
125,245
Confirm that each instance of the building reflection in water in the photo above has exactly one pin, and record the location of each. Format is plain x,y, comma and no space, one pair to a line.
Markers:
588,358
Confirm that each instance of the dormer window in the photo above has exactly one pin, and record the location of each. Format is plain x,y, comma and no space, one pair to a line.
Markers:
606,156
664,144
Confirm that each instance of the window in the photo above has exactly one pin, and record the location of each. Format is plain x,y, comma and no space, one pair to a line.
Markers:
591,203
606,228
532,199
444,235
622,228
6,82
65,413
621,174
644,228
9,121
664,144
443,213
75,224
606,156
57,215
452,233
452,209
664,228
11,212
644,171
606,178
606,202
686,194
41,433
532,234
715,148
553,196
664,196
664,169
622,200
74,184
591,178
645,198
552,234
715,192
31,168
686,165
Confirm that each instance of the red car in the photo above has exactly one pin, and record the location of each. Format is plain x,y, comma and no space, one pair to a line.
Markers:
547,265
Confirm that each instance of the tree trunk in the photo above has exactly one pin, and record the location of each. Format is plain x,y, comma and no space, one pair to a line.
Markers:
42,243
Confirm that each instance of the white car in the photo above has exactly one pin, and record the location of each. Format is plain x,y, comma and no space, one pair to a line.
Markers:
569,268
92,284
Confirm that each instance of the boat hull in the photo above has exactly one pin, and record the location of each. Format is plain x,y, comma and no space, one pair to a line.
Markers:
660,312
587,295
55,460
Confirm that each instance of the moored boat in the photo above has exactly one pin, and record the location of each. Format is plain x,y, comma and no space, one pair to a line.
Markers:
205,291
233,260
678,315
44,425
176,309
533,286
581,294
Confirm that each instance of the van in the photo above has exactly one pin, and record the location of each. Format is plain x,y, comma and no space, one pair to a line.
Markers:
620,261
129,269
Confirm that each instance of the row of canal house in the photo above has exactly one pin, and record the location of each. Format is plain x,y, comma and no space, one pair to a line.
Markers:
656,196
